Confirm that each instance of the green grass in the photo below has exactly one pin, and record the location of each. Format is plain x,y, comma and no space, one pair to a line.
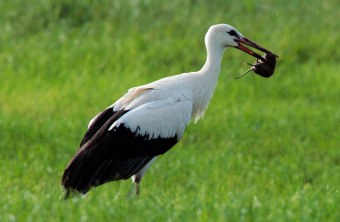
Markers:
266,150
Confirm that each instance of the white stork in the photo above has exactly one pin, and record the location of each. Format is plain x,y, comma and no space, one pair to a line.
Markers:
124,140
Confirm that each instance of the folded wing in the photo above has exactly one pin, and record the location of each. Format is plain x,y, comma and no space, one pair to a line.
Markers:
119,143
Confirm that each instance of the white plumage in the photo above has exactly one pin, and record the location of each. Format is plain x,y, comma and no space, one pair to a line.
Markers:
156,112
123,140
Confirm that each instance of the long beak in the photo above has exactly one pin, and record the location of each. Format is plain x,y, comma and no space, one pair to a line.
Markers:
245,41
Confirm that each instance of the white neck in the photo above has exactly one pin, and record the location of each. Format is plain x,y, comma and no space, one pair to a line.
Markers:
207,79
212,65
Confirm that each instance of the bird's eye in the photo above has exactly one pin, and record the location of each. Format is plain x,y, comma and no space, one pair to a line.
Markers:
233,33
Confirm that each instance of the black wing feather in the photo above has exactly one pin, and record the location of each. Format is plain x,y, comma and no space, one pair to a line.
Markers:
97,123
108,155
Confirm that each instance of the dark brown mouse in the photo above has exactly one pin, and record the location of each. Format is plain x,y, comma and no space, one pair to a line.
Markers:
263,68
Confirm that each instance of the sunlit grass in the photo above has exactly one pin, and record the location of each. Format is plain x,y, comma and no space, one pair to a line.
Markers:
267,149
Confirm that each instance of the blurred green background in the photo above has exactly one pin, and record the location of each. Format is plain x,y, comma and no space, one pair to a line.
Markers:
266,150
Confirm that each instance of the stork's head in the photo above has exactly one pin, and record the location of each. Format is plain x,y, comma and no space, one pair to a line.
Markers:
223,35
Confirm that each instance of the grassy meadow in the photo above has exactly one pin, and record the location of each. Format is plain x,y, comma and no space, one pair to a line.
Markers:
266,150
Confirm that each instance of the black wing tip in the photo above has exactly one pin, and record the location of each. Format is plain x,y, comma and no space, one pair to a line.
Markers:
70,193
72,188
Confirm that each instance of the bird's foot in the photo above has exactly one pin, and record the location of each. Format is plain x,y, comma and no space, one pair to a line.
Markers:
135,190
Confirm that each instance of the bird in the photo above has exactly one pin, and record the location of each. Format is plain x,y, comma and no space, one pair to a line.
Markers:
123,140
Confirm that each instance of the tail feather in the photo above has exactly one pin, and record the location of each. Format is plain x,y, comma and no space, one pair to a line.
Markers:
82,173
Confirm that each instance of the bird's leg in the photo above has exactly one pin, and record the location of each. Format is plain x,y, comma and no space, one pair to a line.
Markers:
135,189
137,184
